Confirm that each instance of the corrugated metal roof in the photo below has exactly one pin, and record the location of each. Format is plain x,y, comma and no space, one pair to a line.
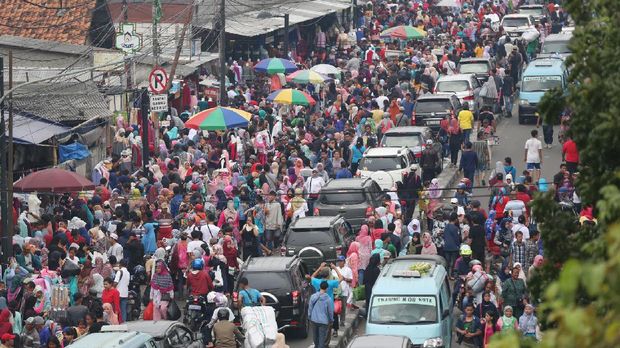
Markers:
32,131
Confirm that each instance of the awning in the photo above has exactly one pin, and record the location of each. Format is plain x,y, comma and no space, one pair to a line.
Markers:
28,130
247,24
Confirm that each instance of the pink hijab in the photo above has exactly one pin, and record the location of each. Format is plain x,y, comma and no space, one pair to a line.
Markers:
365,246
353,260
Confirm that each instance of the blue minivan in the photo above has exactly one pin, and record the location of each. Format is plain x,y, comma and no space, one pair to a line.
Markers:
540,76
408,302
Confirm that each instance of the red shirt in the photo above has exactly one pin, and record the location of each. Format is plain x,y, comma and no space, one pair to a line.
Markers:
112,297
200,283
569,150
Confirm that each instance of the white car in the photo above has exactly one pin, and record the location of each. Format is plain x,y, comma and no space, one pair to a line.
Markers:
385,165
465,86
516,24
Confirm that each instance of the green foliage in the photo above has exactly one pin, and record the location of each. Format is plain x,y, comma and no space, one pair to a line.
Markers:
580,282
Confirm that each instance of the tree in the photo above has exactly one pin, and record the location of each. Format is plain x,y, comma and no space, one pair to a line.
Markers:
580,282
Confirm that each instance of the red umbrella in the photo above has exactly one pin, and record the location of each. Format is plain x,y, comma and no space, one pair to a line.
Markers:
53,180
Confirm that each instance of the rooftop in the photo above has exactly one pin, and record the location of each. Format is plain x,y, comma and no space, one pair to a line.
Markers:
67,21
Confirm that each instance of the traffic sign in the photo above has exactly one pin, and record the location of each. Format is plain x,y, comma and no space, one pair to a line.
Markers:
159,103
158,79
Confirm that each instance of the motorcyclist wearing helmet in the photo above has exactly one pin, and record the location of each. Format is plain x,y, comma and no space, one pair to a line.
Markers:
199,282
225,333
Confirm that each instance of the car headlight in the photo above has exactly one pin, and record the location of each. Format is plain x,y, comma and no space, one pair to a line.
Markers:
524,102
433,342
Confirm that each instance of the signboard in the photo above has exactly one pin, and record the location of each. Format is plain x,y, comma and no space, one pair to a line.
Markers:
159,103
158,79
127,40
390,300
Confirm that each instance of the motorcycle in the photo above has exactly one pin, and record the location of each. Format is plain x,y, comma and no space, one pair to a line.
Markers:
197,312
134,303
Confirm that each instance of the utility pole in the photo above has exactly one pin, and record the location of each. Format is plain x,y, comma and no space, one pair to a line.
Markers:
177,54
144,114
222,51
4,202
286,23
128,79
9,180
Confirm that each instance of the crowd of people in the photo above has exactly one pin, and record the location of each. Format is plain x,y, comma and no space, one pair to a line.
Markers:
209,200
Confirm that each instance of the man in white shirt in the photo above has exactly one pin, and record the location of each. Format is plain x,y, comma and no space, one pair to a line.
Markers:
345,287
533,154
209,230
115,249
121,281
520,226
313,186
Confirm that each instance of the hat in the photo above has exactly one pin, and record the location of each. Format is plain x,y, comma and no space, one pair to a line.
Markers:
114,236
38,320
341,258
74,245
30,320
7,336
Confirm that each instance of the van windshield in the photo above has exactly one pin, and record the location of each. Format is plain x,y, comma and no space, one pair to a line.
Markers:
541,83
555,47
403,310
515,22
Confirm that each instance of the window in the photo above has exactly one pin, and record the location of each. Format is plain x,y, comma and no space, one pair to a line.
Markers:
409,140
515,22
551,47
268,281
373,164
452,86
303,238
342,197
541,83
403,310
436,105
474,68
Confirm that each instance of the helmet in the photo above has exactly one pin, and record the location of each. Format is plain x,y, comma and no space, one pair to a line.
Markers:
465,250
222,314
474,262
139,274
198,264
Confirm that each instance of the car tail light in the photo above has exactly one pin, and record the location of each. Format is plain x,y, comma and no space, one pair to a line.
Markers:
295,296
195,299
294,323
469,98
283,251
418,154
369,211
316,212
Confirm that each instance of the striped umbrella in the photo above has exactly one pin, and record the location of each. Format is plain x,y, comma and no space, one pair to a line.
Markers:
219,118
291,96
406,32
275,65
307,76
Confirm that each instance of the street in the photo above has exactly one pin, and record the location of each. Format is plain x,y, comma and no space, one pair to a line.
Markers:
512,137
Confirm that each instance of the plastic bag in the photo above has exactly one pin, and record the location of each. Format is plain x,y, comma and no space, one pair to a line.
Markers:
359,293
148,312
337,307
173,312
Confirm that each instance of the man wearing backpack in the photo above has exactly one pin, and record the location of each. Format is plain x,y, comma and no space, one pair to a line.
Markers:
249,297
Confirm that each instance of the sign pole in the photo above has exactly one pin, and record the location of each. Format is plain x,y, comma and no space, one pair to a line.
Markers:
144,114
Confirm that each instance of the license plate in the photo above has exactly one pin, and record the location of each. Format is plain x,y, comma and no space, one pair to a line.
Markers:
432,123
194,307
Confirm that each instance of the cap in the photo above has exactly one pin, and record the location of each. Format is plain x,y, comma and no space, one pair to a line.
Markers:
341,258
30,320
7,336
114,236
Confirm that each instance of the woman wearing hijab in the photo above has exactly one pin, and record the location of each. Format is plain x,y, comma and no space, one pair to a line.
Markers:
111,317
428,247
101,268
5,324
371,273
365,247
230,252
415,246
230,213
353,261
162,290
297,206
535,267
379,250
85,279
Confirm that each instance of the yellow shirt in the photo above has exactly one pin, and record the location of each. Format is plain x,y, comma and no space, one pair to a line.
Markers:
466,119
478,51
377,115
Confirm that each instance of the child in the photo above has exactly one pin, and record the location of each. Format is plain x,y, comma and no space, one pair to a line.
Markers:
507,321
489,328
528,322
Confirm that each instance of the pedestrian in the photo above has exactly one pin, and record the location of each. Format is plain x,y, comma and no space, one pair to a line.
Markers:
469,162
469,329
320,314
466,122
428,161
547,130
249,297
371,273
121,283
452,242
570,154
528,323
514,292
533,154
346,284
162,290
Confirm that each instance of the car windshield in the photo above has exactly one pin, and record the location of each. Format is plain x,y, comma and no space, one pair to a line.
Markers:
373,164
404,310
342,197
474,68
265,281
515,22
531,11
402,139
305,238
452,86
428,106
555,47
541,83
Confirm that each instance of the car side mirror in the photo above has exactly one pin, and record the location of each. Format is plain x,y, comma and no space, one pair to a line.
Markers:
445,314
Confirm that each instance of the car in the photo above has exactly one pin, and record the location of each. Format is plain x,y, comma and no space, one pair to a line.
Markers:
465,86
354,198
480,67
430,109
408,301
556,45
281,281
128,339
165,333
378,341
537,11
540,76
415,139
516,24
316,239
385,165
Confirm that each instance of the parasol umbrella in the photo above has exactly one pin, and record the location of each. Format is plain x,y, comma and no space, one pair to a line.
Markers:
406,32
53,180
325,69
291,96
275,65
307,76
219,118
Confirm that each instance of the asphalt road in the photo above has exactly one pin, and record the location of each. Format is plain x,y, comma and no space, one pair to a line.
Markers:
512,137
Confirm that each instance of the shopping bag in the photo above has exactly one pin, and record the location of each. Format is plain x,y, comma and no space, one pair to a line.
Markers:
359,293
148,312
337,307
173,312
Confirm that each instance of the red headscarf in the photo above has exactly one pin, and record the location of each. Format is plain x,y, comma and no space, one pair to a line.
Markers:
230,252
